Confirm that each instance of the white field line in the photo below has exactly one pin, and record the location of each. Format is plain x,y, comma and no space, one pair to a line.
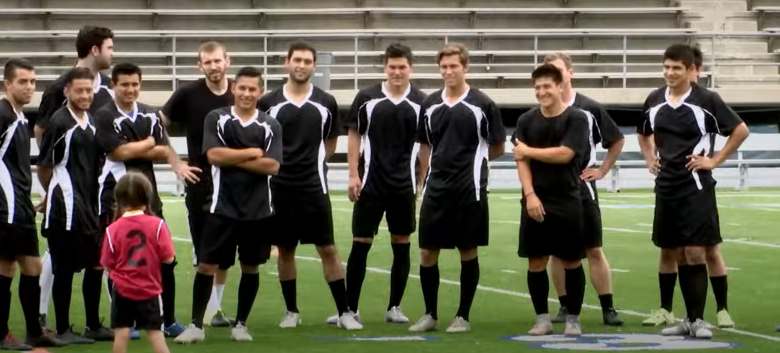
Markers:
521,295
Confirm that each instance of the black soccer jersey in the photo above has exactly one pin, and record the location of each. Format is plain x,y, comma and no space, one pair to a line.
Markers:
114,128
570,129
388,128
238,193
54,98
306,127
682,130
460,135
15,177
603,129
71,151
189,105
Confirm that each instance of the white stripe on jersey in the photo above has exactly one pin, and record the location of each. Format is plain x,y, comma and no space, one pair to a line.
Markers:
481,154
325,113
366,145
62,178
110,167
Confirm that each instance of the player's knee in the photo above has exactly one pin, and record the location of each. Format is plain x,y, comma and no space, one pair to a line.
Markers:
595,256
7,268
207,269
249,269
364,240
399,239
468,254
328,252
429,257
537,264
31,266
695,255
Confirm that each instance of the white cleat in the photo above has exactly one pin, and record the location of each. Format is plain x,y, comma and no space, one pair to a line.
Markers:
396,316
573,327
699,329
681,329
334,319
192,334
424,324
290,320
459,325
542,326
349,321
240,333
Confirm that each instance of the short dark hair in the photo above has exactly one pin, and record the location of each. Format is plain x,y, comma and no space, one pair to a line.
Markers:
133,190
547,70
300,45
398,50
125,69
698,57
9,72
90,36
78,73
680,52
249,71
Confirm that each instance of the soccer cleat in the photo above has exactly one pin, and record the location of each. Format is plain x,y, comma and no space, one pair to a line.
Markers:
172,330
424,324
561,317
136,335
543,326
240,333
332,320
724,319
777,328
70,337
349,321
458,325
220,320
698,329
101,333
46,339
290,320
10,343
396,316
573,327
192,334
681,329
660,317
611,318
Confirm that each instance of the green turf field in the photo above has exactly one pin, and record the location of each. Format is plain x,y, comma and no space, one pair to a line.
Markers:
502,308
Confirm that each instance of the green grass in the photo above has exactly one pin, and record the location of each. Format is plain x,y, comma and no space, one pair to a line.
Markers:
753,287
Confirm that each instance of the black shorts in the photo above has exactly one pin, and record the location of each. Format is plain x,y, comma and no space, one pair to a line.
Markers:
73,251
17,240
398,208
223,235
196,201
592,228
559,235
303,217
447,223
687,221
143,314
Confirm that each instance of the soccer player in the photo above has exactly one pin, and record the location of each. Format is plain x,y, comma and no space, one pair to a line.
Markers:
459,130
382,136
133,248
94,48
309,120
17,217
716,265
676,134
244,148
68,169
132,136
551,147
602,129
189,106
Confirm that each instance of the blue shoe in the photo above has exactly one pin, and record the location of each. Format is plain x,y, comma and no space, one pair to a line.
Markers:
173,330
135,334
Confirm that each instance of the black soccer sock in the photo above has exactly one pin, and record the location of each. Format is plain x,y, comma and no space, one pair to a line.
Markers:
290,296
399,273
685,287
429,281
698,279
575,289
469,279
61,293
720,287
338,289
29,294
90,289
356,272
606,302
201,292
666,283
5,304
539,288
248,287
110,285
169,292
562,300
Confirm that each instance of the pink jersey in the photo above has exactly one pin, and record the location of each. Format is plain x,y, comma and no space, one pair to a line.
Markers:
133,250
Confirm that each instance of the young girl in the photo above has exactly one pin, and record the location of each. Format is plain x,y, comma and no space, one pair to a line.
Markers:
134,247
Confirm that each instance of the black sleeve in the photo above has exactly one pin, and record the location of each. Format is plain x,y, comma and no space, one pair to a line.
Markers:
576,134
212,136
52,99
171,109
274,147
354,120
495,125
610,132
520,128
335,122
48,145
725,117
106,135
644,127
